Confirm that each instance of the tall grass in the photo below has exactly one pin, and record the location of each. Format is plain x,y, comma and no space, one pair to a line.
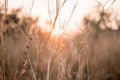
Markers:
28,54
3,26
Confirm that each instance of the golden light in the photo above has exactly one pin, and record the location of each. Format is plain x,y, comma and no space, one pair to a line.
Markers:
40,9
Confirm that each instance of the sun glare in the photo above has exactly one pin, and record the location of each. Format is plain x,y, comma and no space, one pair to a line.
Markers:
40,8
57,31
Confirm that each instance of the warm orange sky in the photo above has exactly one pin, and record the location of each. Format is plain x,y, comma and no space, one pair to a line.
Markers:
40,9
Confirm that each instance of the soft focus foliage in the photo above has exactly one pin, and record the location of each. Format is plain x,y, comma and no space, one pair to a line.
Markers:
101,33
26,53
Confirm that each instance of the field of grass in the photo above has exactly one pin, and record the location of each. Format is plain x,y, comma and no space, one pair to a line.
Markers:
28,53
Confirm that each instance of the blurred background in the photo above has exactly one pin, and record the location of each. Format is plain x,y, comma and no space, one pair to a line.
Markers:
59,40
41,9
